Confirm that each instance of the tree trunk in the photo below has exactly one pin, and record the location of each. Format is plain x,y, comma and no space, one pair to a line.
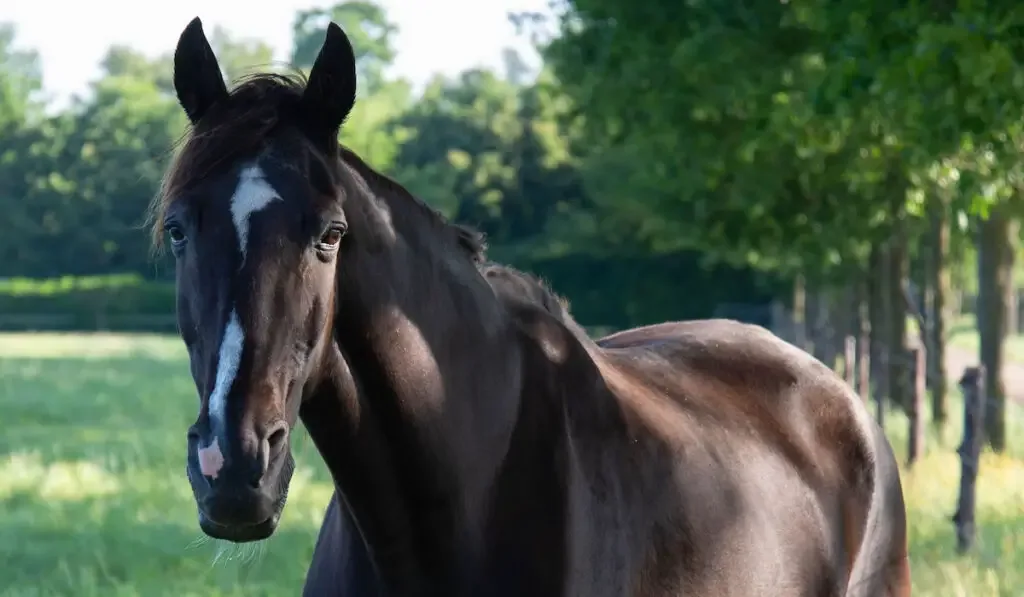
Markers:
897,338
972,383
800,313
878,317
939,286
863,339
1011,311
812,320
915,411
843,305
822,322
996,246
1020,313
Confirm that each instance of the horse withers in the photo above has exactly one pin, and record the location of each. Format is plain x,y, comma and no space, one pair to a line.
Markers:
481,444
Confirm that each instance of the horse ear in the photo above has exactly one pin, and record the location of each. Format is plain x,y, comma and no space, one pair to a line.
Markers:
197,78
331,90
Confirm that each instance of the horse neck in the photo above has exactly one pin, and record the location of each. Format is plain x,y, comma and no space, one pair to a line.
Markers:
428,369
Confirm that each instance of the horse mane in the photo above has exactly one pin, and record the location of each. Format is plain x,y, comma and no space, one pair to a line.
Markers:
258,107
469,240
510,283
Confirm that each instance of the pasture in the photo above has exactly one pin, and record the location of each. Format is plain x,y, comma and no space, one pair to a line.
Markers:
94,501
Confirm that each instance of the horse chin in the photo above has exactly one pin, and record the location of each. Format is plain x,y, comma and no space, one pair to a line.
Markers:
243,531
239,533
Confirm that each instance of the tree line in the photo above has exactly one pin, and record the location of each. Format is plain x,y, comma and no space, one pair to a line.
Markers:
483,146
862,150
863,156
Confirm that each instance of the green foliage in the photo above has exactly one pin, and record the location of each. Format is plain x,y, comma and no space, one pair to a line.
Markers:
788,135
124,301
366,25
625,291
47,287
492,154
492,150
22,78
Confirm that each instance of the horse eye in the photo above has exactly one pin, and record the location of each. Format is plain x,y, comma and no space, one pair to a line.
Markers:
175,233
332,236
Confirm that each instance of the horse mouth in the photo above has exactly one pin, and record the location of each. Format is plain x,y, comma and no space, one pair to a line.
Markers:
239,533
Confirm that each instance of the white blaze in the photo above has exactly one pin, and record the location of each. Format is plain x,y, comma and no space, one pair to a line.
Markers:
252,194
227,368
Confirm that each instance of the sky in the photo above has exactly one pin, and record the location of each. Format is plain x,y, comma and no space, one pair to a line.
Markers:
71,36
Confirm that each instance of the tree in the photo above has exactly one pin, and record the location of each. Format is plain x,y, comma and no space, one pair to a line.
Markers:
789,135
366,25
21,78
240,56
489,152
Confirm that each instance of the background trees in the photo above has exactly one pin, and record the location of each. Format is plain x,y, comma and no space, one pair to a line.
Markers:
856,161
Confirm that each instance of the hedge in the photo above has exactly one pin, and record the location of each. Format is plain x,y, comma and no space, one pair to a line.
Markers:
621,292
614,292
113,302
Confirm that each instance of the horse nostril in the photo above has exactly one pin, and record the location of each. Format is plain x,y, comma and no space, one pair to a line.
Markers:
277,439
261,465
269,447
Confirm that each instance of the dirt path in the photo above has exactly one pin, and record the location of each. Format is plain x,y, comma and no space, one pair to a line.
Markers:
1013,372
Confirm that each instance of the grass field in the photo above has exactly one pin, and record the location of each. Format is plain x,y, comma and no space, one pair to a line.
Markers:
94,501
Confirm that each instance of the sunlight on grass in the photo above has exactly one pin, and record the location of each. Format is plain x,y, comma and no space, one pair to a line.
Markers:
94,501
55,481
89,346
93,496
996,566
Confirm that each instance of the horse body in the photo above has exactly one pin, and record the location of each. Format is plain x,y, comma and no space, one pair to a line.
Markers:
683,473
479,442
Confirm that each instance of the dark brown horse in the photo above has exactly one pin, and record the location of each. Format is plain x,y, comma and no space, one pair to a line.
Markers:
479,443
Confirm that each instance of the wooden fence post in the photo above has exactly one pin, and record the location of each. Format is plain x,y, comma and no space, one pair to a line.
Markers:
880,375
915,414
973,385
850,360
864,366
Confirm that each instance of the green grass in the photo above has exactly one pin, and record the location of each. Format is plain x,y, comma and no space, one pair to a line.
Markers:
94,501
996,566
93,495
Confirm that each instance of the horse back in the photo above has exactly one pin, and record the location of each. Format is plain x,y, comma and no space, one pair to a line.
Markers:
737,378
